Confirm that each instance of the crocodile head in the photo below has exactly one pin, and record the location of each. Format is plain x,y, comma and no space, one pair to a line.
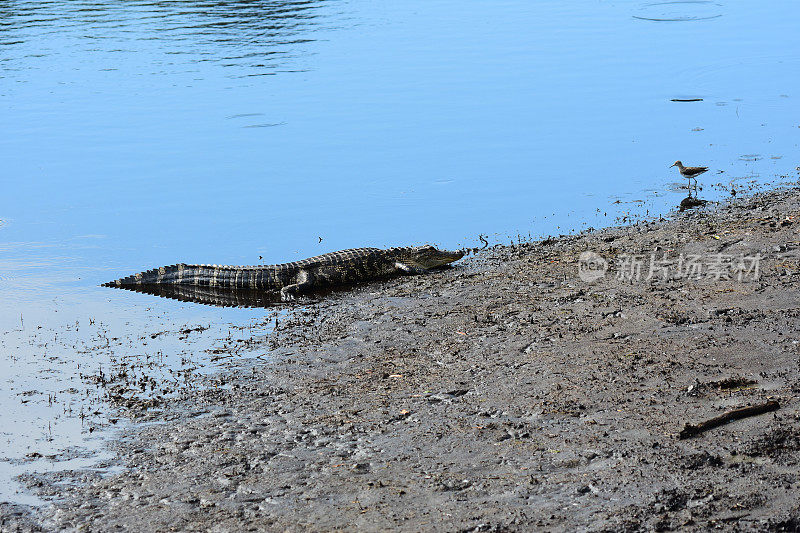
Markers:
427,257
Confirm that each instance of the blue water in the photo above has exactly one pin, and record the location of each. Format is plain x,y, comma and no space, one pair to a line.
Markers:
137,134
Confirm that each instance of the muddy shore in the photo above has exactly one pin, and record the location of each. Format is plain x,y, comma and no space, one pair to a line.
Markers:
505,394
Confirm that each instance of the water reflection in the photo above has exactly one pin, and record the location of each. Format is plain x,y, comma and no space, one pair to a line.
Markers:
211,295
692,201
255,34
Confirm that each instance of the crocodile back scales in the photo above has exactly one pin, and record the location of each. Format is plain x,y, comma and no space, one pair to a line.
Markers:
351,265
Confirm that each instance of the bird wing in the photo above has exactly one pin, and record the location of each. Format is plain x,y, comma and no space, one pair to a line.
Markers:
696,170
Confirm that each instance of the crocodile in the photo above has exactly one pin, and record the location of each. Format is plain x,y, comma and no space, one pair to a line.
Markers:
290,280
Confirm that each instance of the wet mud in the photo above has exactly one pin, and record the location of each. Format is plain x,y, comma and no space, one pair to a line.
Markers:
536,386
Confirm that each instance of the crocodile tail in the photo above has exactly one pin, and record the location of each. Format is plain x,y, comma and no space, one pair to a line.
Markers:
154,276
221,276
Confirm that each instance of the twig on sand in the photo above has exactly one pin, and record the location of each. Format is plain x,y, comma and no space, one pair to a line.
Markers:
690,430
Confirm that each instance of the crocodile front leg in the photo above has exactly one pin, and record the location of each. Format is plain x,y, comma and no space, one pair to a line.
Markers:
410,268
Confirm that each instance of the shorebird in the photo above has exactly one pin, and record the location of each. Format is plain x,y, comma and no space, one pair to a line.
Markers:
689,172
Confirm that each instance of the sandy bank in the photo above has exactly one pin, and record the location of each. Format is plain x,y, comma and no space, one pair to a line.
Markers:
505,394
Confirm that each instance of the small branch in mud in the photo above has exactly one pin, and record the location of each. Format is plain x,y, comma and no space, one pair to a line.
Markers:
691,430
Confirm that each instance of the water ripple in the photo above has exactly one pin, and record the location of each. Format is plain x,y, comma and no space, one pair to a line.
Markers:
265,29
680,11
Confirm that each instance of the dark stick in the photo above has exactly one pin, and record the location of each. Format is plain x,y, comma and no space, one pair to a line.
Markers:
690,430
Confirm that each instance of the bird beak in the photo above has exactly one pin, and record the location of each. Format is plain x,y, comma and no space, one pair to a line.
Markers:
672,165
